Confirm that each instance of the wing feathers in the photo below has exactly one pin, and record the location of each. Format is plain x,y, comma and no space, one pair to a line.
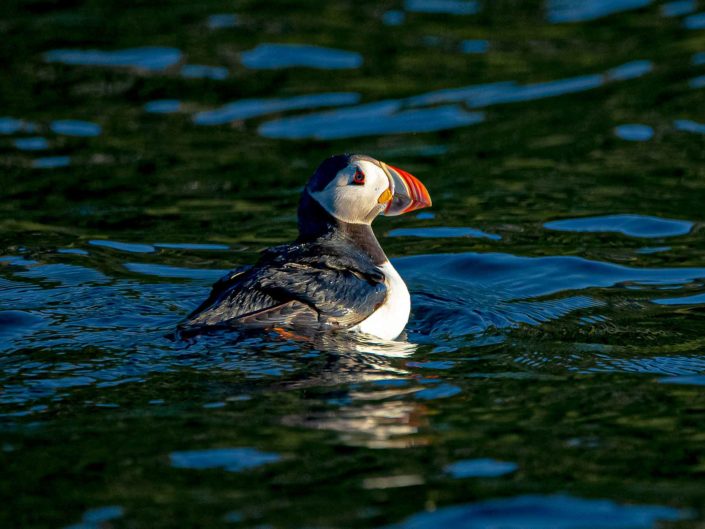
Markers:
312,285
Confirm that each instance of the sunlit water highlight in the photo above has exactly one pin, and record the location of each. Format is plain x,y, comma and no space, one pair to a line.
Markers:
250,108
561,11
679,8
540,512
632,225
274,56
147,58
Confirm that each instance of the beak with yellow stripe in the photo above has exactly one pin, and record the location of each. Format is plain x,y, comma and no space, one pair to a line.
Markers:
406,192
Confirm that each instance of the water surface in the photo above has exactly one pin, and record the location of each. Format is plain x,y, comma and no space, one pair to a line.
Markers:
552,371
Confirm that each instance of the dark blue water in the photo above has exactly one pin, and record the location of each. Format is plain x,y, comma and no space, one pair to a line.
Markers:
552,372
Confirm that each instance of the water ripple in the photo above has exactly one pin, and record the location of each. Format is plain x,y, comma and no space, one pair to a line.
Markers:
686,125
146,58
97,517
634,132
250,108
474,46
697,82
561,11
679,8
480,468
75,127
37,143
457,299
696,299
202,71
514,277
696,21
442,232
122,246
375,118
174,271
393,17
393,116
163,106
229,459
10,125
633,225
51,162
274,56
558,511
451,7
222,20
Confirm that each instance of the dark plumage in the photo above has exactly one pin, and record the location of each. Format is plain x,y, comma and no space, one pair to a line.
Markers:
327,283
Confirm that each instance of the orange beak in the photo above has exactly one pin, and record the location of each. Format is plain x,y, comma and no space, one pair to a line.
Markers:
408,193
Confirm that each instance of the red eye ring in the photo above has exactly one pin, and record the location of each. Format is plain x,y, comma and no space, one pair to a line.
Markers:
359,177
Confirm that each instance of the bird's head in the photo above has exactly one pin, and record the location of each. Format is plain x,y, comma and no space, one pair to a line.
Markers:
355,188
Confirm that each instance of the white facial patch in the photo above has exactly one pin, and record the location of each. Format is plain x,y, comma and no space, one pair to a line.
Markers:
356,204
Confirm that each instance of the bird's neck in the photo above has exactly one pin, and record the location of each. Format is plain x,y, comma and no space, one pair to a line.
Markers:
315,222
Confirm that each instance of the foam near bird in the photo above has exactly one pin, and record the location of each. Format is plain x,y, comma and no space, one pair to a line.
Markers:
335,276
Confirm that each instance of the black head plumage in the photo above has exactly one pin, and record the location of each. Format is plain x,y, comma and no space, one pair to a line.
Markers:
314,220
329,169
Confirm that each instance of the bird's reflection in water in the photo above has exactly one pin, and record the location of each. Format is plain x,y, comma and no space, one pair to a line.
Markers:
372,408
382,424
358,387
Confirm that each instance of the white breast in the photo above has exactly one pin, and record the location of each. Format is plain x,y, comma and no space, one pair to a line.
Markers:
389,320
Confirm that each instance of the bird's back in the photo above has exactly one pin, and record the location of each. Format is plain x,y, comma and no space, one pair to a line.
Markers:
320,284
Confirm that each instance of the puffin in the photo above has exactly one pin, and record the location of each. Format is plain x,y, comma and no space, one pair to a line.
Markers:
335,277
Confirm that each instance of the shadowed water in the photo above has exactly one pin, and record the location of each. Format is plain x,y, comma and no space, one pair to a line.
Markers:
551,374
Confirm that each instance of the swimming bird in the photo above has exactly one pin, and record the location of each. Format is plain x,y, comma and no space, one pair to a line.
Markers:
335,276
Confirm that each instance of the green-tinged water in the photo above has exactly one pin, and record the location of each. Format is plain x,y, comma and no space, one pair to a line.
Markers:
552,374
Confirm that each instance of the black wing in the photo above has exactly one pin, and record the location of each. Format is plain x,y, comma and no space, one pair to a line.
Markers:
310,285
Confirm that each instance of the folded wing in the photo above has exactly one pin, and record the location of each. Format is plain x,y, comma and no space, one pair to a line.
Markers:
317,286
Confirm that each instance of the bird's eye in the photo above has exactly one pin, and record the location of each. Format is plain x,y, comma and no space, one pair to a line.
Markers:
358,177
